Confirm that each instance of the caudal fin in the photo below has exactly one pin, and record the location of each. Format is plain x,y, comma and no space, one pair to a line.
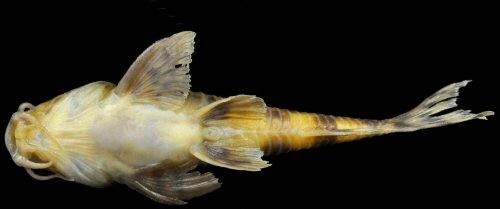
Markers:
287,131
426,115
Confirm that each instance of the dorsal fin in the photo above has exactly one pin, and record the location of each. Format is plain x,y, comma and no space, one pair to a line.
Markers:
160,73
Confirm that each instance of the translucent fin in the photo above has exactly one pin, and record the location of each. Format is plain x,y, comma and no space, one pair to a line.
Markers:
171,183
226,125
425,114
197,100
242,111
160,74
237,154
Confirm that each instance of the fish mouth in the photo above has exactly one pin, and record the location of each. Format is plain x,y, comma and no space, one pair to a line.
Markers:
24,158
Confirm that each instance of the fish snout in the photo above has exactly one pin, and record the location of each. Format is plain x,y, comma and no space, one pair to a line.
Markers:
24,139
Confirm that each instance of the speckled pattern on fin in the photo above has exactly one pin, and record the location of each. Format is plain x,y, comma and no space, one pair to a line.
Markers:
170,183
160,74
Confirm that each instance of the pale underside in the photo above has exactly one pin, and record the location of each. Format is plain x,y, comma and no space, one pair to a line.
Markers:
150,132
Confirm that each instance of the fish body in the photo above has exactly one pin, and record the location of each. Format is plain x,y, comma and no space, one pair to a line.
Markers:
150,131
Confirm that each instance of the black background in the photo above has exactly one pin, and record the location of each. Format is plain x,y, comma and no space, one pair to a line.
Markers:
360,60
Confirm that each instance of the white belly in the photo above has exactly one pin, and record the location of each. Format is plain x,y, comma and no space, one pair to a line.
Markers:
142,135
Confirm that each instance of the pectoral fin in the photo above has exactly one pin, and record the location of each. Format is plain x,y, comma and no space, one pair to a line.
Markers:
160,74
171,183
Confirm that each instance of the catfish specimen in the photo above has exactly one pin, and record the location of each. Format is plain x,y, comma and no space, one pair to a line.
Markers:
150,132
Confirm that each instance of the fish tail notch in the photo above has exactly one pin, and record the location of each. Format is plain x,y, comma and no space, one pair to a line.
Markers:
427,114
318,130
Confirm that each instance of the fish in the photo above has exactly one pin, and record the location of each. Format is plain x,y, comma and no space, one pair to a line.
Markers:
150,132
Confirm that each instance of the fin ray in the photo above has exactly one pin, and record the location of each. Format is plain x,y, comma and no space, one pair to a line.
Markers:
227,124
232,153
426,115
160,73
242,111
172,183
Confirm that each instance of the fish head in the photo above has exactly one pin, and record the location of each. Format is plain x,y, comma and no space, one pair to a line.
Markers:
30,144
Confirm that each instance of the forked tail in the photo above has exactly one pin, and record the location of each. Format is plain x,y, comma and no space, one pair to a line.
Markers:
426,115
288,131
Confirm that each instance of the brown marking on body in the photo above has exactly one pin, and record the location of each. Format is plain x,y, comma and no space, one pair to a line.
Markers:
284,131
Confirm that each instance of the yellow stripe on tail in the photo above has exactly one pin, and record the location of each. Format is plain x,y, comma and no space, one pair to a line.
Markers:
284,130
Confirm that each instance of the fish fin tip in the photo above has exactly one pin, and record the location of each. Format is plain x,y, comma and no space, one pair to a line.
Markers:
241,111
173,183
230,153
427,114
161,73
